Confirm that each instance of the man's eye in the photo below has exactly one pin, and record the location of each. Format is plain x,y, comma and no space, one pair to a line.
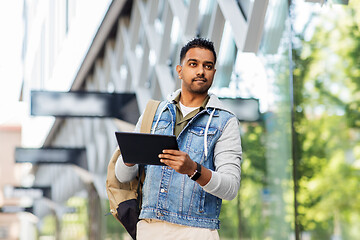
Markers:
209,67
192,64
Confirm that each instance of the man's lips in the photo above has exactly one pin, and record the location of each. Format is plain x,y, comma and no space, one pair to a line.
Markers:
199,80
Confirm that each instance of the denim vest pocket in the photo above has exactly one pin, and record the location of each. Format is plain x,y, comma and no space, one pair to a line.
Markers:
197,138
161,126
197,201
202,201
208,204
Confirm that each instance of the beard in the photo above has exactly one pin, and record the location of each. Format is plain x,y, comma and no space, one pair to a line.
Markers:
199,88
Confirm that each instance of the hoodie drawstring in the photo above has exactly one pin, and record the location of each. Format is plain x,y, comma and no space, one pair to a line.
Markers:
206,132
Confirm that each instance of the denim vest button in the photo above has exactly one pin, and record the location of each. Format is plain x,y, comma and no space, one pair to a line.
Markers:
162,190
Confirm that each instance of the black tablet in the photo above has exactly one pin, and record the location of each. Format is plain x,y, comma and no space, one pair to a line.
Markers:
144,148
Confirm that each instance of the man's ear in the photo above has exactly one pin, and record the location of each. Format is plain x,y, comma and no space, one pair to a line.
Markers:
178,69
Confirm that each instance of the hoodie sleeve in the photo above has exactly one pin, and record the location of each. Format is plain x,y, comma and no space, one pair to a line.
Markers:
124,173
225,180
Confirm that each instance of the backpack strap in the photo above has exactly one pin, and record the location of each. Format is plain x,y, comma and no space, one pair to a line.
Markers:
148,116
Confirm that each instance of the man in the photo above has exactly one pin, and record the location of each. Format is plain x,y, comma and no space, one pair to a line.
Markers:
183,200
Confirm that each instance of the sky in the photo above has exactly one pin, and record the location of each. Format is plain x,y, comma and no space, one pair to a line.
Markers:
11,30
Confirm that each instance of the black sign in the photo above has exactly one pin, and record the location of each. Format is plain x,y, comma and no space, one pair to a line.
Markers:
32,192
52,155
16,209
245,109
85,104
344,2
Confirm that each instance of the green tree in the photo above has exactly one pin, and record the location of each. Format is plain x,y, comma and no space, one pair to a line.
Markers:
242,217
327,77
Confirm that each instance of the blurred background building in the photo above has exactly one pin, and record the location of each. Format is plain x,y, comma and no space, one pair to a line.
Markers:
81,57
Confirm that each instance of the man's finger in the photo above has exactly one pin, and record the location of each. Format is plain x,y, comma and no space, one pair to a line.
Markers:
167,162
171,151
168,157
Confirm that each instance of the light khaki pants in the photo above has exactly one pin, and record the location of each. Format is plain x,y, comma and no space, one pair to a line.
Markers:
148,229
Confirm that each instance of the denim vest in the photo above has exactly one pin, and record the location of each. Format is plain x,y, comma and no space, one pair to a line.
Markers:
174,197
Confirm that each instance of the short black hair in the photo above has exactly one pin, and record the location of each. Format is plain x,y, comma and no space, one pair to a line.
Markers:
197,42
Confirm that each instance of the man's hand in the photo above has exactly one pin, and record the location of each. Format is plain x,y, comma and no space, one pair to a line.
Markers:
178,160
182,163
129,164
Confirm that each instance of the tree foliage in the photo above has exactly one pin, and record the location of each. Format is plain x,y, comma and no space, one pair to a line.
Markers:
327,98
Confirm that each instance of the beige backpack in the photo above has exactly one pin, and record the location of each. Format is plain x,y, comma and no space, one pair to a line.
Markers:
125,198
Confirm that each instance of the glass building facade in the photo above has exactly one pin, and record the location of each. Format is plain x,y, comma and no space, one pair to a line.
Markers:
280,53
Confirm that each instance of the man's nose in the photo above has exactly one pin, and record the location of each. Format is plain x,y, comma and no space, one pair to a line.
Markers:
200,71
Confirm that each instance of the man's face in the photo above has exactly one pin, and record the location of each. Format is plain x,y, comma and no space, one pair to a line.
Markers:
197,71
